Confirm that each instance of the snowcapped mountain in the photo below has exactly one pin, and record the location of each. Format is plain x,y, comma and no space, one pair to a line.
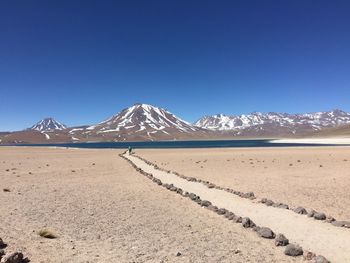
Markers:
141,121
274,123
48,124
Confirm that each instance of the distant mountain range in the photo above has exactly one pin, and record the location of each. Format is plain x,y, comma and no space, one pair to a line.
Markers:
274,124
146,122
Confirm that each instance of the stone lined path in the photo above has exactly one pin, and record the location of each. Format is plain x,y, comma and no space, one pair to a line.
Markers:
317,236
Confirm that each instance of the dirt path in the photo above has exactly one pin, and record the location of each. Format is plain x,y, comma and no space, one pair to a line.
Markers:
317,236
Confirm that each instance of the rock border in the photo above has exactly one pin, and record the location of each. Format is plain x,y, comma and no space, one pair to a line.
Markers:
246,222
250,195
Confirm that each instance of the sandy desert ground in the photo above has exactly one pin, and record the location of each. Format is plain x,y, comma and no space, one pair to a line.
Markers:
313,233
104,211
315,178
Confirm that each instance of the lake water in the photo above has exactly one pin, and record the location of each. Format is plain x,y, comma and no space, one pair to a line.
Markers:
178,144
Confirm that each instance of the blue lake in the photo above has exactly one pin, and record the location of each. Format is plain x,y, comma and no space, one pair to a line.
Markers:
179,144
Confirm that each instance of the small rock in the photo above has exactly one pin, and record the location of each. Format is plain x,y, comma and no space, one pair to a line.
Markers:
231,217
249,195
173,188
247,222
192,196
228,214
221,211
211,185
308,255
283,206
16,257
269,202
341,224
281,240
300,210
330,219
205,203
265,232
198,201
321,259
280,205
256,228
237,219
6,190
178,254
2,244
179,191
293,250
212,208
2,253
311,213
320,216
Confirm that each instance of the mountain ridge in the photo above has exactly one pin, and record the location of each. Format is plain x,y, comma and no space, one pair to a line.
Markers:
285,123
144,122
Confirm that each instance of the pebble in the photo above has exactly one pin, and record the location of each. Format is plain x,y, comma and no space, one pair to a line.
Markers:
311,213
308,255
247,222
341,223
205,203
269,202
237,219
15,257
300,210
321,259
193,197
221,211
320,216
330,219
293,250
2,244
212,208
265,232
281,240
280,205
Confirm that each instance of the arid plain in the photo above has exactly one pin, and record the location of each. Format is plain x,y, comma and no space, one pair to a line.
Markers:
315,178
102,210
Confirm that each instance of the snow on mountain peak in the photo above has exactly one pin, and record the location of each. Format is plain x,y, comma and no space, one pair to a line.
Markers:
48,124
272,120
143,117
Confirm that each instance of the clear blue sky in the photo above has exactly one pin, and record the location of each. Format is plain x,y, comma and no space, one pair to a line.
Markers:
82,61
